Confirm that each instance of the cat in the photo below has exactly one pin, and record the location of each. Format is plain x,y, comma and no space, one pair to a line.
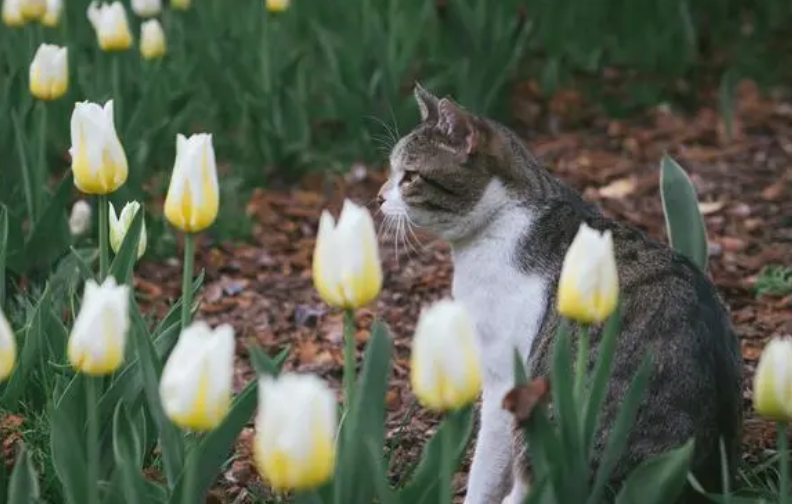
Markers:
472,182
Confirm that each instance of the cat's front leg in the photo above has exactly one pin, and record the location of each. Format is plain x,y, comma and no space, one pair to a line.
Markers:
489,479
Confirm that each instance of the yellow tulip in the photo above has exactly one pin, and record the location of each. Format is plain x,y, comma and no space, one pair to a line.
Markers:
52,16
346,264
181,4
8,348
111,26
80,218
772,382
12,13
98,159
445,362
588,289
119,225
277,5
49,72
33,10
195,388
294,444
193,198
152,40
98,338
146,8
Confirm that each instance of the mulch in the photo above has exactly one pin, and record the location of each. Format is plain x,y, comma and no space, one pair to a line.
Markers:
264,288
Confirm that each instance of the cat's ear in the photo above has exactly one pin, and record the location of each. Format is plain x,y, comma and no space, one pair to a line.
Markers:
427,102
458,125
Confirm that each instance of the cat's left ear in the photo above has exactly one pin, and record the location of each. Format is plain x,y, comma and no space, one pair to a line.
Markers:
461,128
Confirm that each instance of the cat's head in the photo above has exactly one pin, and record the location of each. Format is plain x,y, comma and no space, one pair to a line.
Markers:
445,175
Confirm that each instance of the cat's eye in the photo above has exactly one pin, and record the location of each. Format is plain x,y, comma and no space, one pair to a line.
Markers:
409,177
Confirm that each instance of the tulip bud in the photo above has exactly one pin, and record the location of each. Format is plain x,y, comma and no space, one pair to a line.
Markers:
12,13
346,265
146,8
98,159
49,72
111,26
772,382
98,337
8,348
294,445
195,388
277,5
53,14
445,362
193,198
181,4
152,40
33,10
80,218
119,225
588,289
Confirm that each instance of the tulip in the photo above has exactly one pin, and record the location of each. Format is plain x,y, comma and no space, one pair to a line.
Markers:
772,382
98,159
98,338
346,265
181,4
119,225
197,378
33,10
53,14
49,72
12,13
445,363
294,445
588,289
80,218
152,40
8,348
277,5
193,198
111,26
146,8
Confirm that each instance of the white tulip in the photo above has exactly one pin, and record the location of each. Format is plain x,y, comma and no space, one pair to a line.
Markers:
294,445
49,72
195,388
152,40
146,8
119,225
12,13
193,198
111,26
80,218
99,162
8,348
53,14
772,382
98,338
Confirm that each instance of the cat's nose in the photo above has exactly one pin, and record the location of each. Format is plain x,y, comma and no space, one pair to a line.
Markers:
381,194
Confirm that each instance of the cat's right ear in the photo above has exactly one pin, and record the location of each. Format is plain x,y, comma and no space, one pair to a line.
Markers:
427,102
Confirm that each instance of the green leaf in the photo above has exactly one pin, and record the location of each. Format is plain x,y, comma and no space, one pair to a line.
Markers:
379,475
127,455
423,485
23,487
365,420
3,252
51,238
263,363
67,442
520,375
216,445
684,222
658,480
124,261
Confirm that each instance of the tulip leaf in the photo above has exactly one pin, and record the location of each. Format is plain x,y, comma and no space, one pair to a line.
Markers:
127,455
151,366
50,237
658,480
23,488
423,485
364,421
3,249
263,363
67,441
124,261
684,222
379,475
216,445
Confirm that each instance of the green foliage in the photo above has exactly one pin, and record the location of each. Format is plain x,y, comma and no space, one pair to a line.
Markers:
684,222
774,280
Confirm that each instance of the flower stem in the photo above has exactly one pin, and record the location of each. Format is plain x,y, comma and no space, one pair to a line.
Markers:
187,273
349,358
581,365
783,452
190,469
104,228
41,165
446,464
93,439
116,83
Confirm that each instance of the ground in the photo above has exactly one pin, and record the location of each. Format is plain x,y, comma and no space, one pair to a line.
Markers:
264,288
